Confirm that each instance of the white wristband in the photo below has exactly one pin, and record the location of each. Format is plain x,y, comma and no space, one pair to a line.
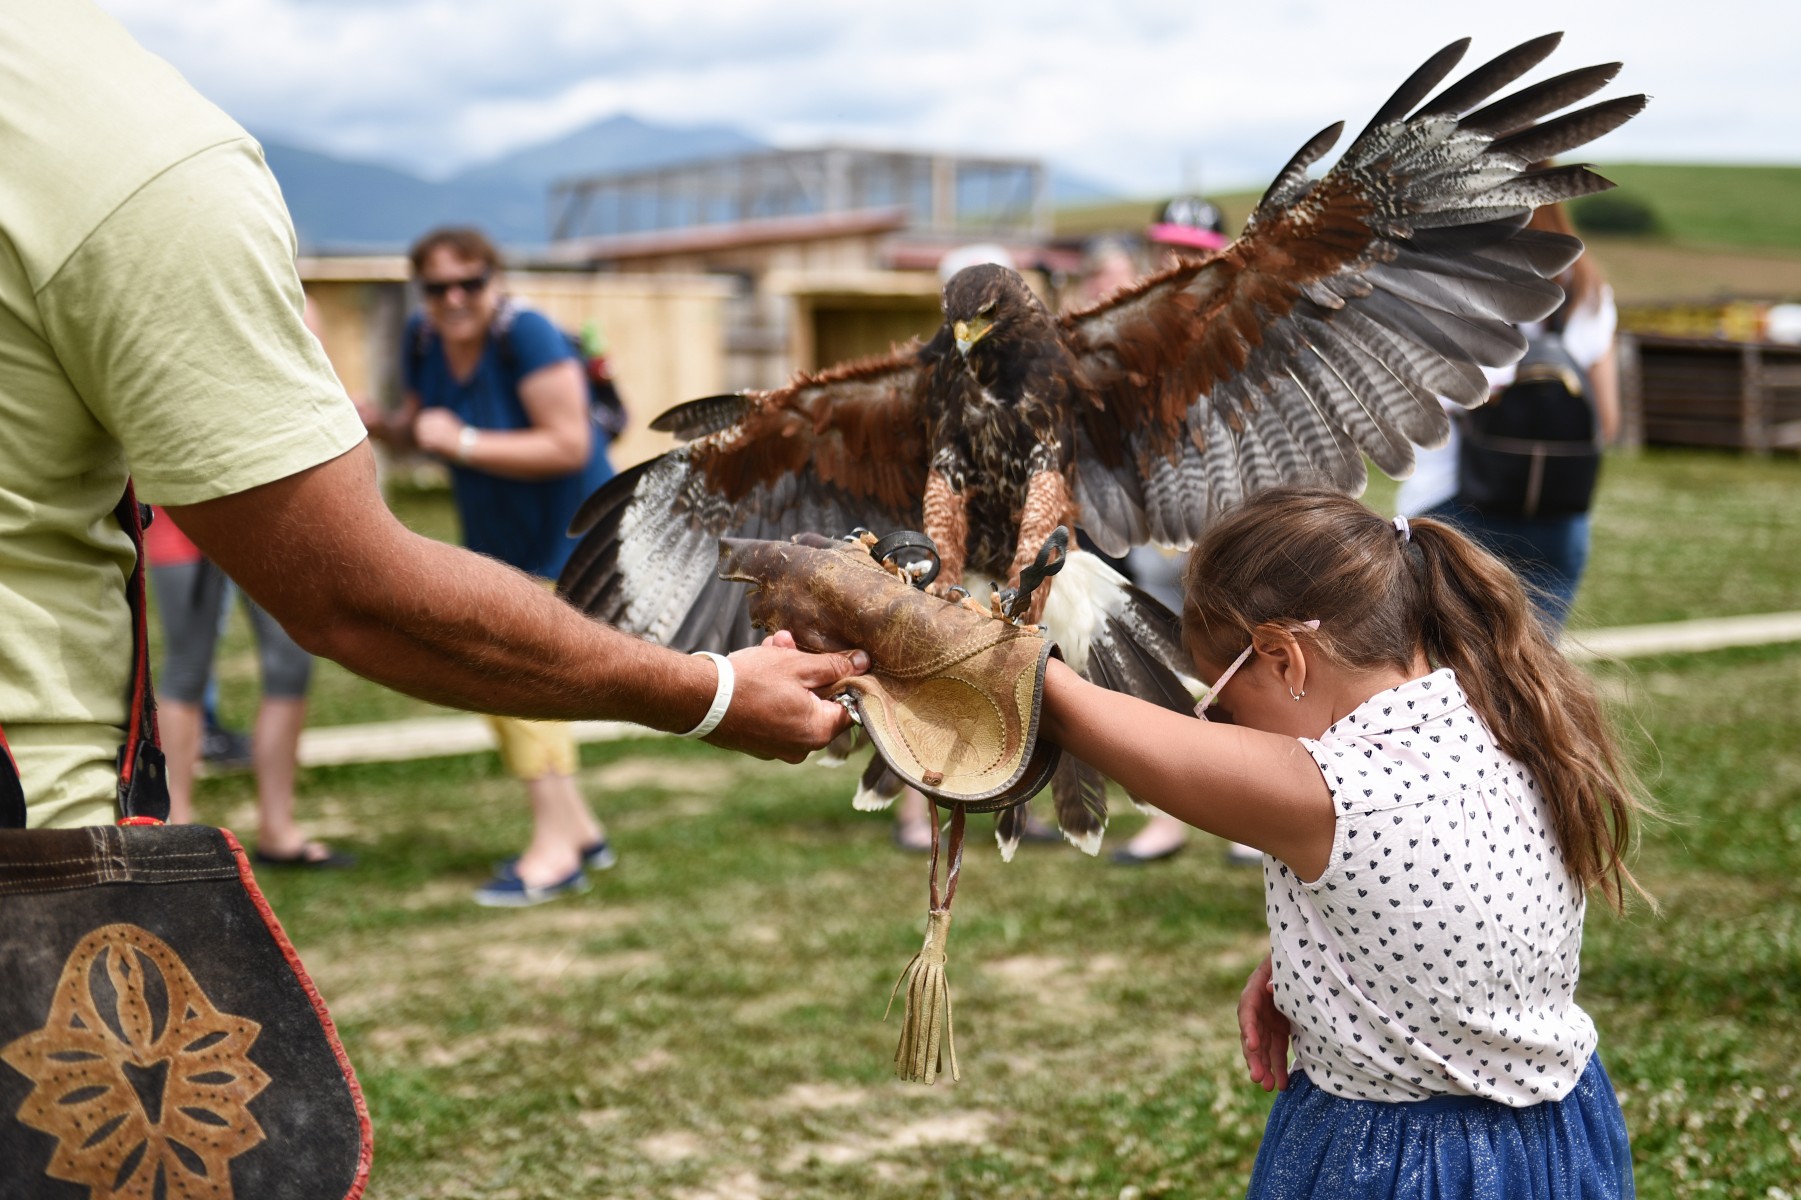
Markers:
465,442
722,695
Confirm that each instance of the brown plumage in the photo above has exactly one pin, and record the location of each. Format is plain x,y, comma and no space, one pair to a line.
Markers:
1326,332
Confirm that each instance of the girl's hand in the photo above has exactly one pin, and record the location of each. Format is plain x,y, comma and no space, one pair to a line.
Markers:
1262,1031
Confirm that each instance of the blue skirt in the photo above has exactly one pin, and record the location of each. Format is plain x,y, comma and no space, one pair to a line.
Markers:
1320,1145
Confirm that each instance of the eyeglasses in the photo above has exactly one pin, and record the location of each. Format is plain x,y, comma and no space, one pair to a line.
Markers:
1219,685
438,289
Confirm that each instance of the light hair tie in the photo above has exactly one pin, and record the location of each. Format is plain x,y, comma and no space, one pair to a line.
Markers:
1404,529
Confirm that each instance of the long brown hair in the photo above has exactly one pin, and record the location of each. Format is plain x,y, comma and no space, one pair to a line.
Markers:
1581,280
1293,554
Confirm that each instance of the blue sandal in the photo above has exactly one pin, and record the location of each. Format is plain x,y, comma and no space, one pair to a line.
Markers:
507,890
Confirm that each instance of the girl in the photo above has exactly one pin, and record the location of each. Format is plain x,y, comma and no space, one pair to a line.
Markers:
1434,788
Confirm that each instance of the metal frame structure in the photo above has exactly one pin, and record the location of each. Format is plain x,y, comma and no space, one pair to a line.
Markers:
942,194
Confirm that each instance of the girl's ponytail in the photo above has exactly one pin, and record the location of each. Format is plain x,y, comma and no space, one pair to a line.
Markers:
1477,619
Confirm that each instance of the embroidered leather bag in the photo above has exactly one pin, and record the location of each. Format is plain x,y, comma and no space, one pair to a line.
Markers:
158,1035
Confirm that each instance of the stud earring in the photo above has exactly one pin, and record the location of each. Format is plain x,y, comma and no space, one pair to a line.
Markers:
1292,696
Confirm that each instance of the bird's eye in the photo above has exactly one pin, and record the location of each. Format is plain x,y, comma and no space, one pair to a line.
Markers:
985,309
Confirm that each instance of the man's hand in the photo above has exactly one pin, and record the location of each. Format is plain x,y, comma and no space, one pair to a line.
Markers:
1262,1031
777,709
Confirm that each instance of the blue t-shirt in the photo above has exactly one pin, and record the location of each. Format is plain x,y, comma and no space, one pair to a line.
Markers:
522,522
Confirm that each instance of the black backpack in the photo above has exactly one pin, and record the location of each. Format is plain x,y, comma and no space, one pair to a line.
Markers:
1534,450
604,402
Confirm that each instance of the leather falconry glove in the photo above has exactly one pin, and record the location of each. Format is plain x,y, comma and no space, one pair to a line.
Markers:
951,702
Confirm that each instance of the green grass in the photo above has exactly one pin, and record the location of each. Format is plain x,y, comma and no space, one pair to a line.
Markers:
1717,205
1695,204
707,1021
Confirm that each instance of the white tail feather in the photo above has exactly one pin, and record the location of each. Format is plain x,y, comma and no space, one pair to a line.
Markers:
868,801
1088,843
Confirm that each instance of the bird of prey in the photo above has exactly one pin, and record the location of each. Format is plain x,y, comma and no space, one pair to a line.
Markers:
1325,333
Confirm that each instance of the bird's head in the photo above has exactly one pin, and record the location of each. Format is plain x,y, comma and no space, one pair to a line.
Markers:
984,302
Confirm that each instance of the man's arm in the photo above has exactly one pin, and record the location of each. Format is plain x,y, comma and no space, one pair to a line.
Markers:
322,553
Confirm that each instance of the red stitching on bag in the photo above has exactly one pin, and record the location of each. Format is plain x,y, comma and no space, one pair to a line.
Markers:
312,993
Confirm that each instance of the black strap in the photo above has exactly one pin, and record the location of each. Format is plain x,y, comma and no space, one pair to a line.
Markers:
12,792
143,777
1051,556
904,547
143,781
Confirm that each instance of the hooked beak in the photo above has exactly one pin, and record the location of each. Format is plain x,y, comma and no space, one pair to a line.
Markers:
969,332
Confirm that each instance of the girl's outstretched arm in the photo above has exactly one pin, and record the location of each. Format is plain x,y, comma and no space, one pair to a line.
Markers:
1262,789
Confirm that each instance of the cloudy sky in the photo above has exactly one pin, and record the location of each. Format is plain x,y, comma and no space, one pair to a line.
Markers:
1141,95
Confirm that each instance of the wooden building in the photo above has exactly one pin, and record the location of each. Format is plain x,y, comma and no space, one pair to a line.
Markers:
833,253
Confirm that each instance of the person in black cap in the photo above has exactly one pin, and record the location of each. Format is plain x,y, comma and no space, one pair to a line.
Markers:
1188,226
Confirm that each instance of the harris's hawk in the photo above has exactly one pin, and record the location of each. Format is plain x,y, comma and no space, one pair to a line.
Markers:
1325,333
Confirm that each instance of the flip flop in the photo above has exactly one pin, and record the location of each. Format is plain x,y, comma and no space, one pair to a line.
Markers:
310,858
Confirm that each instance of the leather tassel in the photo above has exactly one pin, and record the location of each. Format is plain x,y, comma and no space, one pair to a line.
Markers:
926,1022
926,1026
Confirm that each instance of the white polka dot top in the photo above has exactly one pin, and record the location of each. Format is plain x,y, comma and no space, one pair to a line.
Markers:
1439,951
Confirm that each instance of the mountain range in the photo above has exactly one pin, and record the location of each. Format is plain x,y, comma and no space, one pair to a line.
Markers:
343,205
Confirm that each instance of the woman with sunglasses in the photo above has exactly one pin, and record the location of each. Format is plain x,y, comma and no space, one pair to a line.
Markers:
1434,788
498,395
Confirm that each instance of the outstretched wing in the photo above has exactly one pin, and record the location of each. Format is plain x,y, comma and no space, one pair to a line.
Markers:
1350,304
827,453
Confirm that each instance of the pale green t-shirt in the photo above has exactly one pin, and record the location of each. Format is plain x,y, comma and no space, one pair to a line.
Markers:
150,322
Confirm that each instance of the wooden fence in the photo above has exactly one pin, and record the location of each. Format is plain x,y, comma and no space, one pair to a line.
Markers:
1694,392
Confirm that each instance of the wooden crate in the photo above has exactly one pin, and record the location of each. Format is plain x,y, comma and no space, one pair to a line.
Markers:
1705,392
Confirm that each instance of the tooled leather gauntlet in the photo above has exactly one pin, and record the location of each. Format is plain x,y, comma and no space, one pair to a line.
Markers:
951,703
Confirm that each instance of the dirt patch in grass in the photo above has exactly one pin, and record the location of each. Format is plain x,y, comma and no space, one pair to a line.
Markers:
768,1009
670,775
675,1145
419,1046
665,812
739,1185
439,893
535,963
1032,971
968,1128
820,1096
